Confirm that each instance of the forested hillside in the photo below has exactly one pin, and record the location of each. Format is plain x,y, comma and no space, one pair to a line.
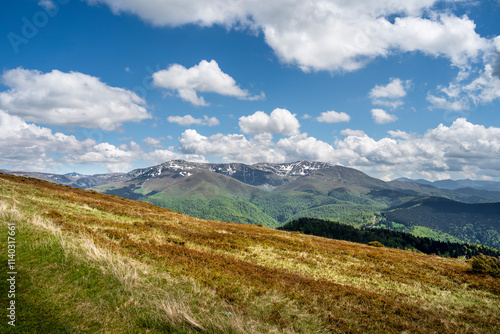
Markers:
474,223
388,238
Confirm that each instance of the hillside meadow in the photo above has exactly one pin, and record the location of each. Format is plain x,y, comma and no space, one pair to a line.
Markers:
94,263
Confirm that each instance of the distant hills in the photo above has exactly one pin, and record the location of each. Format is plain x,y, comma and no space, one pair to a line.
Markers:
273,194
457,184
74,180
485,189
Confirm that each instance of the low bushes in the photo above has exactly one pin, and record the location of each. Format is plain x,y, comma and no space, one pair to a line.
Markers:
484,264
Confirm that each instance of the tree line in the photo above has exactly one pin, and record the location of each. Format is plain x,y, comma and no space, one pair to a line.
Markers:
389,238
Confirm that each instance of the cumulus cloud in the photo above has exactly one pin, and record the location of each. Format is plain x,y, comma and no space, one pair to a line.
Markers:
155,142
302,147
461,94
160,156
231,147
333,117
114,159
353,133
381,116
28,146
447,35
47,4
439,102
486,88
331,35
279,121
69,99
460,150
206,77
391,94
399,134
188,120
394,90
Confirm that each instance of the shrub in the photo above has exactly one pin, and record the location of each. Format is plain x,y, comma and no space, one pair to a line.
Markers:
486,265
375,244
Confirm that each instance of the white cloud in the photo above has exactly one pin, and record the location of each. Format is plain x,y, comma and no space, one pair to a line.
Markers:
69,99
484,89
333,35
47,4
155,142
160,156
354,133
462,150
302,147
443,103
391,94
206,77
393,90
279,121
113,158
381,116
231,147
345,36
28,146
399,134
446,35
333,117
470,88
188,120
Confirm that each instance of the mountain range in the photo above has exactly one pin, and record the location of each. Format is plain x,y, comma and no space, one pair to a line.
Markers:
458,184
272,194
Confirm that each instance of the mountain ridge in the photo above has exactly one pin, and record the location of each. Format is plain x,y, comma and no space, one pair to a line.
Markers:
458,184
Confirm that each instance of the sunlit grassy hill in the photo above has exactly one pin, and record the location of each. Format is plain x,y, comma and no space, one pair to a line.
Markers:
94,263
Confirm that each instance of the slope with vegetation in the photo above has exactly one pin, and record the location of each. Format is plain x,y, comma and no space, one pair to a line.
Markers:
474,223
96,263
385,237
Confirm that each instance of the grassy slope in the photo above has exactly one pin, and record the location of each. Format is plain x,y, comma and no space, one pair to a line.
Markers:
91,263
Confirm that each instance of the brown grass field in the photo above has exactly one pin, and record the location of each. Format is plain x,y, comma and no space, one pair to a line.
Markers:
93,263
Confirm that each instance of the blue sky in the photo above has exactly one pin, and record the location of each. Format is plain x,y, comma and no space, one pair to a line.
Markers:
401,88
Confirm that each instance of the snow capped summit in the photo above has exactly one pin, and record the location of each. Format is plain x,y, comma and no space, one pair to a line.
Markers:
75,175
298,168
260,174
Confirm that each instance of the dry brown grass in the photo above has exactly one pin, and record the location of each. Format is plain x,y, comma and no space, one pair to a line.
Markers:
263,279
